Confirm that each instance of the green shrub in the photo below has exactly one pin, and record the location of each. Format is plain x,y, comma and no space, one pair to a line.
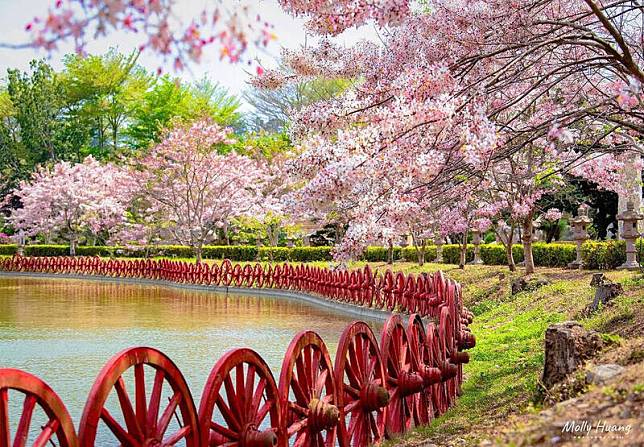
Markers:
409,254
596,255
553,254
309,254
452,253
46,250
603,255
379,254
8,249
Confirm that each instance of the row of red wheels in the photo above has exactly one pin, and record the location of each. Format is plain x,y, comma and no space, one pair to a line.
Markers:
423,294
371,391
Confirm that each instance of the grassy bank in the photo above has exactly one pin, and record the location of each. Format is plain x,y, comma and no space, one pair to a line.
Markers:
502,376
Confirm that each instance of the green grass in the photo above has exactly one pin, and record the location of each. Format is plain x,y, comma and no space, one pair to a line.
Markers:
505,365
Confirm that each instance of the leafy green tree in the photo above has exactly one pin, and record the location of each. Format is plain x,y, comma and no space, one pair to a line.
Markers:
169,99
262,145
34,125
106,90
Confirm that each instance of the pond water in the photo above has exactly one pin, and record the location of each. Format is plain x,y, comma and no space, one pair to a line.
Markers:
64,330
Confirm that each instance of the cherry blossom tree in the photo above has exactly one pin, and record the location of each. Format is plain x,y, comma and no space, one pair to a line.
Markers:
72,201
457,89
192,189
513,79
232,30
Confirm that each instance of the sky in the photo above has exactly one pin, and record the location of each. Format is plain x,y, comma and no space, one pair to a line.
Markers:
291,33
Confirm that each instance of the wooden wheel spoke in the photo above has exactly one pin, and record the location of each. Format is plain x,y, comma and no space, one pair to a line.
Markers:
373,426
353,379
298,409
140,397
155,402
121,434
224,431
240,391
229,417
348,408
371,373
262,412
353,421
47,432
5,436
352,391
232,398
315,369
166,417
22,432
320,383
297,426
301,382
359,429
131,421
248,392
177,436
259,393
301,439
361,355
300,396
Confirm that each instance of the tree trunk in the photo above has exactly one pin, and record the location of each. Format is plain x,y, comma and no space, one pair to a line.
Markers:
463,257
508,250
420,251
527,245
198,252
226,235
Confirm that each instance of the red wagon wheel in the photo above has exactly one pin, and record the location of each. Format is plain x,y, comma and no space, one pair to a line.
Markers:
439,394
307,392
226,272
240,404
36,393
143,425
447,341
360,380
258,274
422,364
402,382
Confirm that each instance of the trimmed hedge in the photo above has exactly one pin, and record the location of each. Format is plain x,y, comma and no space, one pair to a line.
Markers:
596,255
603,255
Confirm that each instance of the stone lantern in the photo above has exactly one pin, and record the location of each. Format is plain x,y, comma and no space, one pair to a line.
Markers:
21,243
404,240
290,242
438,241
476,241
580,233
629,219
536,230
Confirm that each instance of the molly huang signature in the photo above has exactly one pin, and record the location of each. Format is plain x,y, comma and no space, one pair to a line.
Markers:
588,428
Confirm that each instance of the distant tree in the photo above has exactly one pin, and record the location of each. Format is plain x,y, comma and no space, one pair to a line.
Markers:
170,99
34,125
262,145
72,200
273,108
106,90
195,189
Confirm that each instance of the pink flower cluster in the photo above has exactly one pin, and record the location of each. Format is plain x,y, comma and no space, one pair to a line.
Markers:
155,21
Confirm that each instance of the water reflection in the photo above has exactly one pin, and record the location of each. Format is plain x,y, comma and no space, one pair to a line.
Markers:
65,330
